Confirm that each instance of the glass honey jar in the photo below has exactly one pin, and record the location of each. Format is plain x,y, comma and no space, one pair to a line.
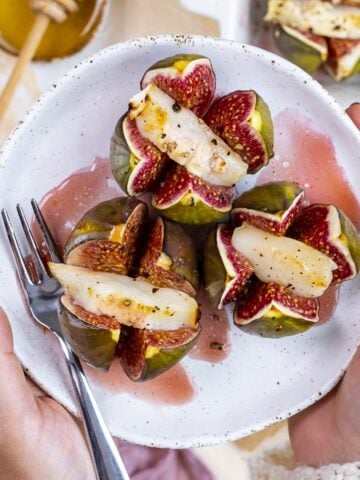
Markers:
60,40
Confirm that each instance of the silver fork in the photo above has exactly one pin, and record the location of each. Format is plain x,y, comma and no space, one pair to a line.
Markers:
43,298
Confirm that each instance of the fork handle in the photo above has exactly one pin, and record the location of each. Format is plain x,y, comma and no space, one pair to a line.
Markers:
106,458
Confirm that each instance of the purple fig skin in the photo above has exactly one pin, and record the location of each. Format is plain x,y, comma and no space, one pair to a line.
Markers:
252,312
189,79
313,227
148,161
271,207
215,201
230,116
240,266
181,274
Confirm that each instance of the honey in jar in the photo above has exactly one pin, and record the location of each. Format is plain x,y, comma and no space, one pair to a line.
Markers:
60,40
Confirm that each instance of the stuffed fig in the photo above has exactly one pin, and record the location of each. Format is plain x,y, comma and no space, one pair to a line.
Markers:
184,150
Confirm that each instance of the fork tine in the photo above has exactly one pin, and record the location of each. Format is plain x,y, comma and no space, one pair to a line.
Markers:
32,244
50,243
14,244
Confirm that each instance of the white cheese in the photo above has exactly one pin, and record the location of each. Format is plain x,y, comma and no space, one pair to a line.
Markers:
187,140
132,302
288,262
316,16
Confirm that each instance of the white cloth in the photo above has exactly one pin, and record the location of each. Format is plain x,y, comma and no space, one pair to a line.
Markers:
279,465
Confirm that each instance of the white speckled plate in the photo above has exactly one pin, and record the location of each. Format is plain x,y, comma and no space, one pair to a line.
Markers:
261,381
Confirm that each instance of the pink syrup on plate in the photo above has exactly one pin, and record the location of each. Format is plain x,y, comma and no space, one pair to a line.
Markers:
214,344
65,204
173,387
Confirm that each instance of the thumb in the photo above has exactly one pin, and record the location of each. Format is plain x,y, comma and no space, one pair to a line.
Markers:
354,113
15,393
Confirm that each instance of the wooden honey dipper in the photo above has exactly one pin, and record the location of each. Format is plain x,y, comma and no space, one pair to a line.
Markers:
46,11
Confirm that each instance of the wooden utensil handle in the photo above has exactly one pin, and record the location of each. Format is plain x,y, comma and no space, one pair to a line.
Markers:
27,52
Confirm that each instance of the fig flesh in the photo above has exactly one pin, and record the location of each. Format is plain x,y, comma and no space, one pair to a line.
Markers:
186,198
145,354
243,120
302,269
185,138
107,237
271,207
307,50
130,301
327,229
272,310
170,258
225,270
137,164
94,339
188,79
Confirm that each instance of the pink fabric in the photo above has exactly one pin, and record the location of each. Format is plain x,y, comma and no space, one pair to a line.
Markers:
144,463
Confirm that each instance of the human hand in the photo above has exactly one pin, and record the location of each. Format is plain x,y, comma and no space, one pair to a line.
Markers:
38,438
329,431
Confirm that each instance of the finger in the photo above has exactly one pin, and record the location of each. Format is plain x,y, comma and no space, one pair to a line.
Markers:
15,393
354,113
35,389
351,381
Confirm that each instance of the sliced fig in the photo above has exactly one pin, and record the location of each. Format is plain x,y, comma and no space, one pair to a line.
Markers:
225,270
130,301
188,79
243,120
145,354
137,164
185,198
327,229
344,60
107,237
271,207
93,338
170,258
305,49
187,140
300,268
272,310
